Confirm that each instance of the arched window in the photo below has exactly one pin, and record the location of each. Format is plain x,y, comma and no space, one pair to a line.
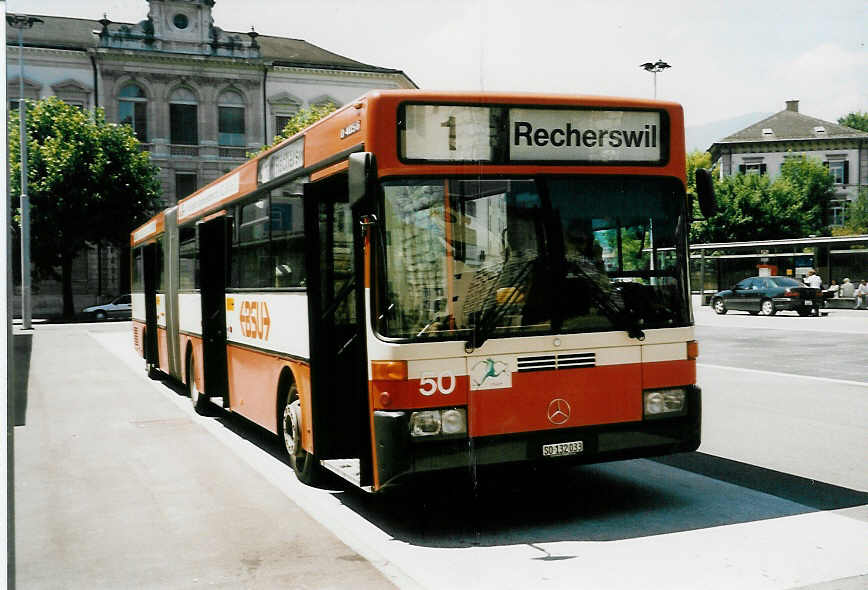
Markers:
230,119
183,118
133,110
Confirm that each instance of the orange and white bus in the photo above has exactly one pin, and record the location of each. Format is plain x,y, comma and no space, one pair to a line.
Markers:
425,281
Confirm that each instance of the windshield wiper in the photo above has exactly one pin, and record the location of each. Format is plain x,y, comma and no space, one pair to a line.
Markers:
626,319
486,321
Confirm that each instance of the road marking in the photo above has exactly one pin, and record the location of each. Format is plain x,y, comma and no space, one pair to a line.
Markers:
777,374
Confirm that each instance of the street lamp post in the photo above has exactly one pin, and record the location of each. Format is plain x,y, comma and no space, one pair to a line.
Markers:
654,68
21,22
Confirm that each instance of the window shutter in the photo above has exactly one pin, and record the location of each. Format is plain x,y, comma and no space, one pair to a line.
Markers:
846,172
762,168
742,168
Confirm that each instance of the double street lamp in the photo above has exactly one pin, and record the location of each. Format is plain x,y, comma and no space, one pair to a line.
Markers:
21,22
654,68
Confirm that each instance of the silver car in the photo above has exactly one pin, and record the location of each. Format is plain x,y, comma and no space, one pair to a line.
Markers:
119,308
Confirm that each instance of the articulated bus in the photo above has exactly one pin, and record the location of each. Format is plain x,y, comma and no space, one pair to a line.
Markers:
425,281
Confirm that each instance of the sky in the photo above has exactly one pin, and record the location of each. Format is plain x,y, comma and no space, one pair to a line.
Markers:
728,58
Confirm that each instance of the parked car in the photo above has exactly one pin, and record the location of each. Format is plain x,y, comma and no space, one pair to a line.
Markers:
119,308
767,296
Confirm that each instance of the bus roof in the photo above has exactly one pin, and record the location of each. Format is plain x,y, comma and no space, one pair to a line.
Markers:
369,123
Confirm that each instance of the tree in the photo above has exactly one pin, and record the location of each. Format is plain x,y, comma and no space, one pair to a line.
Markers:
88,182
305,117
857,120
752,207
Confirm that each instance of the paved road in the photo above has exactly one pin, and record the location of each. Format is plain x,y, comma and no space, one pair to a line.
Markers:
795,518
834,346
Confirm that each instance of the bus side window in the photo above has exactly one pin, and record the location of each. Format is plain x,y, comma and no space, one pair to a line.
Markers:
287,241
251,255
189,259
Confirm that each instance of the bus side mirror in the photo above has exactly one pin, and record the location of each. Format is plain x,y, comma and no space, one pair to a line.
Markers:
362,176
705,192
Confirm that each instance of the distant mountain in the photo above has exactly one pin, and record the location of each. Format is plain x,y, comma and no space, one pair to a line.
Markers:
700,137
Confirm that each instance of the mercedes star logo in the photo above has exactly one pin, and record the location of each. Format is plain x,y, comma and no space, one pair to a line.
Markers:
559,411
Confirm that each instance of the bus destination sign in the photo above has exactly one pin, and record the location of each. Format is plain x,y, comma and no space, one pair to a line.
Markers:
494,134
584,135
288,158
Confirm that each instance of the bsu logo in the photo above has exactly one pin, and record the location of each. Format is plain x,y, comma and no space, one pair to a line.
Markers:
255,320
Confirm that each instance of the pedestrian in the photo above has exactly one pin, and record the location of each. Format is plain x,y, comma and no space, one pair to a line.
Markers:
848,289
832,291
862,294
813,280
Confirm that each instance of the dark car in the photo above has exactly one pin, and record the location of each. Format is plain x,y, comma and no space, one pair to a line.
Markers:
767,296
119,308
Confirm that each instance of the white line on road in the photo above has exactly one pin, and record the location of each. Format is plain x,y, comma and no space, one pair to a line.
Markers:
788,375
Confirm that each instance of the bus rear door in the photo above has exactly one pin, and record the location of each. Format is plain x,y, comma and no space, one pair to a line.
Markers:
214,240
150,270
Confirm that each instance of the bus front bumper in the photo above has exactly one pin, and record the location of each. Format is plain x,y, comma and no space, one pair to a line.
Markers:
399,456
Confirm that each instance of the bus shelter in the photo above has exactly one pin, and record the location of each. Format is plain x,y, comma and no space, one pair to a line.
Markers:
718,266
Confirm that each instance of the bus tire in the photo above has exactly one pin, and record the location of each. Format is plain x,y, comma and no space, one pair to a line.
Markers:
198,399
303,463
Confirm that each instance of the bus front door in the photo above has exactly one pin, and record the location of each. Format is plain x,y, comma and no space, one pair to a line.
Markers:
339,395
150,268
214,240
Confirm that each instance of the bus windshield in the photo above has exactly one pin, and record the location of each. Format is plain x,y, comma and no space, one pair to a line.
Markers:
477,258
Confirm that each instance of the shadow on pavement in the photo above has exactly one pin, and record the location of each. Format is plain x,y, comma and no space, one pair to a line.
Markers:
22,345
605,502
811,493
602,502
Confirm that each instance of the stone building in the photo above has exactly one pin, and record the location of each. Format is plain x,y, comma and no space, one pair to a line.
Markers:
198,97
763,147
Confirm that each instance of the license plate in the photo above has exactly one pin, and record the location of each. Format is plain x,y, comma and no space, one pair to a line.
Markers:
563,449
809,302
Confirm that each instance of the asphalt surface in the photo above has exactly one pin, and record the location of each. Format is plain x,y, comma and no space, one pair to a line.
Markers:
117,487
834,346
121,485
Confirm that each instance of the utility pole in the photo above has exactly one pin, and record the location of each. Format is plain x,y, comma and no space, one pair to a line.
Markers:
21,22
654,68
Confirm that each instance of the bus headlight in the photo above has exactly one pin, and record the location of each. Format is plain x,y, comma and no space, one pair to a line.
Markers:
454,421
665,402
446,422
425,423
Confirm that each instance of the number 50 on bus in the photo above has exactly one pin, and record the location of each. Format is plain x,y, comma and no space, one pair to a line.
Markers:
427,281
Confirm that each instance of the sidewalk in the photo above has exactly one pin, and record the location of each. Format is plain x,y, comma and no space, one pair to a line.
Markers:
115,487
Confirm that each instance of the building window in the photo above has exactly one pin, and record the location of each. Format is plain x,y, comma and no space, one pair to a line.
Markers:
185,185
133,110
180,21
839,211
230,119
752,168
183,118
280,122
839,171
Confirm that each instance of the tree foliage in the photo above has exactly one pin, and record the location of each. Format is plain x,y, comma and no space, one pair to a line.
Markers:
305,117
88,182
856,120
752,207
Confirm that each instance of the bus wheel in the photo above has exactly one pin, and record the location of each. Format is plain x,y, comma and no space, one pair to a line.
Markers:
302,462
199,400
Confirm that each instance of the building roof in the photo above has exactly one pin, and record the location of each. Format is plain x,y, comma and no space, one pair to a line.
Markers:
789,125
58,32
